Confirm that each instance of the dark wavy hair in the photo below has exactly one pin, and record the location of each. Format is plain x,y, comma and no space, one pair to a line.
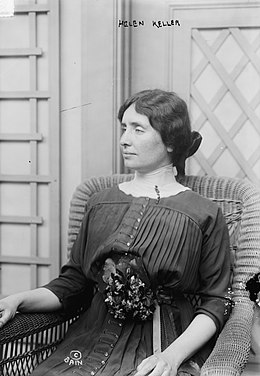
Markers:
168,114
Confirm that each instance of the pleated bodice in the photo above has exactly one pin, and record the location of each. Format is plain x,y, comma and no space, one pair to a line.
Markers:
183,243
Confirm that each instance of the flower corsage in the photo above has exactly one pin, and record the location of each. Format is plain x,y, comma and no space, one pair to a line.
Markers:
253,286
126,288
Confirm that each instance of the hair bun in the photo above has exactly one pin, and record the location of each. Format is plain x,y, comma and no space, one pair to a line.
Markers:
196,139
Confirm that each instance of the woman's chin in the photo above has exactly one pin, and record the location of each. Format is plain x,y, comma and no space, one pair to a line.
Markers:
129,164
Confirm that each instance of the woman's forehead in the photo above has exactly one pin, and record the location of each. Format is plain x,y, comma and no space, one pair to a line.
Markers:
132,116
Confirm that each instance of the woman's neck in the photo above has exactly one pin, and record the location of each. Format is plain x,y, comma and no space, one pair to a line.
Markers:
155,184
160,177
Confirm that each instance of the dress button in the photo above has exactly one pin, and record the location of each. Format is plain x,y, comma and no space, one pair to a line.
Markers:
106,354
103,362
136,227
132,236
92,373
138,219
141,213
128,244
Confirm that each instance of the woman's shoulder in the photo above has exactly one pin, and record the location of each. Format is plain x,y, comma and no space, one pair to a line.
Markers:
194,205
108,195
193,198
199,200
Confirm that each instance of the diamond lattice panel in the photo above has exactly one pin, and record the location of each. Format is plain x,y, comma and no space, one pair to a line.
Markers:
225,100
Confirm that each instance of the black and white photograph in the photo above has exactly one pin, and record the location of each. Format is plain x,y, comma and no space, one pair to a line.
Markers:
129,187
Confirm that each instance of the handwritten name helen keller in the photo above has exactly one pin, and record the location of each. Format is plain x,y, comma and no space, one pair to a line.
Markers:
140,23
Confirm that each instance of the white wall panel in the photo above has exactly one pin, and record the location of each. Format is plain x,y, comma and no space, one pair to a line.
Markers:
29,145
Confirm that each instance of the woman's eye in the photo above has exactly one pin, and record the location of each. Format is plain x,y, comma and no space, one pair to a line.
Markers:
123,128
139,130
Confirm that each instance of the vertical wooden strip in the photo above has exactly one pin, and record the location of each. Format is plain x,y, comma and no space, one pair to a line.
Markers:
33,145
1,283
54,128
180,83
122,74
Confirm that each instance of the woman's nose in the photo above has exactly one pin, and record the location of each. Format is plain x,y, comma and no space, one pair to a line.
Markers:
125,139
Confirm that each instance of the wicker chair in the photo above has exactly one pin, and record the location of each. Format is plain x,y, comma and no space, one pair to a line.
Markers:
30,338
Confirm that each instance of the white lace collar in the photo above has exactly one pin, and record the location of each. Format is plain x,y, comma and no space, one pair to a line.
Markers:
156,184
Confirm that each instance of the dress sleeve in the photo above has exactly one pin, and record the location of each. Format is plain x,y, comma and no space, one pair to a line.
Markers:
72,287
215,270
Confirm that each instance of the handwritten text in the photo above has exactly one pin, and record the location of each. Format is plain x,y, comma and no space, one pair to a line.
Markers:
154,23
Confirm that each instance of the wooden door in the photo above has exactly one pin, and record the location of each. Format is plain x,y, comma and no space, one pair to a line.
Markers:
29,146
214,63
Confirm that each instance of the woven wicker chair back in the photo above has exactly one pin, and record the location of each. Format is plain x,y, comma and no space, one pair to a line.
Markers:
238,199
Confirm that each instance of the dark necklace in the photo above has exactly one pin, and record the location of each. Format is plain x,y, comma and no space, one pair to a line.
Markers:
158,194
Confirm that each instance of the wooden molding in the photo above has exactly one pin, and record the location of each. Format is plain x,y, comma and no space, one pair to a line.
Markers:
105,84
43,179
21,219
205,4
24,94
15,52
21,137
23,260
122,58
37,8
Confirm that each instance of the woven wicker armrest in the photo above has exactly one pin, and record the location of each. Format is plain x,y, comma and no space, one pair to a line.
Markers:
231,352
30,338
26,324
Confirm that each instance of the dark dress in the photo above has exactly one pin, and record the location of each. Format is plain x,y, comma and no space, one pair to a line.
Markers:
184,246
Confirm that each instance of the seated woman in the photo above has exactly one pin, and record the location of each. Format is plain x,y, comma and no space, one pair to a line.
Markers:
143,245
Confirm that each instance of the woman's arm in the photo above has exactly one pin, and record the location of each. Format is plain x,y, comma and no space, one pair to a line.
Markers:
198,333
68,291
166,363
38,300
